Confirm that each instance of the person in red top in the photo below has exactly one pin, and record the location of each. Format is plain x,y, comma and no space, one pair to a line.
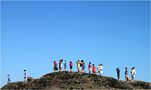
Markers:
89,67
93,69
71,65
55,66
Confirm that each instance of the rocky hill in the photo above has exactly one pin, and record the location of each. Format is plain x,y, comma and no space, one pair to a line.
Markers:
67,80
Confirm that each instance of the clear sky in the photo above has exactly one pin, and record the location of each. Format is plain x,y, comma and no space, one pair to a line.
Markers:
34,34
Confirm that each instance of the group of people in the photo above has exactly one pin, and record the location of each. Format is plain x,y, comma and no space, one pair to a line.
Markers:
92,69
133,73
25,77
127,78
60,65
80,67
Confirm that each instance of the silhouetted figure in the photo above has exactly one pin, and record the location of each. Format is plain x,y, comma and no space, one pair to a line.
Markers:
118,73
89,67
8,79
25,75
65,65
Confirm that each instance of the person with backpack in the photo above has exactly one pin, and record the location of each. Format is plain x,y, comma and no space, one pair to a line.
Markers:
89,67
126,74
55,66
65,65
100,69
118,73
60,64
93,69
71,65
133,73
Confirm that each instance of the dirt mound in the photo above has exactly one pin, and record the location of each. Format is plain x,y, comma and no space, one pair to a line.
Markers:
67,80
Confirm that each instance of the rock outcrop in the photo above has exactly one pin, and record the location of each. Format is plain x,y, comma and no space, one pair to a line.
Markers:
67,80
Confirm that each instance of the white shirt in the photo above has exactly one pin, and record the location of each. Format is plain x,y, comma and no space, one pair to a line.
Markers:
100,67
133,71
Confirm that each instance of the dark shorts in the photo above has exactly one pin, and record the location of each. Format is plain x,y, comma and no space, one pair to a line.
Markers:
55,68
70,67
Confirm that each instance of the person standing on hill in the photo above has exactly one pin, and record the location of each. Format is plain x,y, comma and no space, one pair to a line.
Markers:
83,65
55,66
100,69
133,73
78,66
93,69
89,67
126,74
8,80
71,65
65,65
25,76
60,64
118,73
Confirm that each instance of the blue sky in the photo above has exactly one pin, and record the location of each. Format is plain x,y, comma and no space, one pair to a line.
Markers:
34,34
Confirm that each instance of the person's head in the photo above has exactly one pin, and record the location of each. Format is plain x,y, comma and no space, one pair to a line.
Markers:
81,60
24,70
70,61
78,60
89,62
54,61
125,67
133,67
93,64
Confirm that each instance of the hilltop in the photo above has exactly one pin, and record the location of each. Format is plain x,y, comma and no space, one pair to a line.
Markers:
67,80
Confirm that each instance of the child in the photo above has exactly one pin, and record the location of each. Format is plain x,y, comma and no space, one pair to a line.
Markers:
71,65
93,69
89,67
